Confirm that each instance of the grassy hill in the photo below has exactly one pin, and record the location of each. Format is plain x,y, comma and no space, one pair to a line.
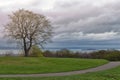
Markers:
22,65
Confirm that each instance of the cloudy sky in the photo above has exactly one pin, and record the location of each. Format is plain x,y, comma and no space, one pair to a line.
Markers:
74,21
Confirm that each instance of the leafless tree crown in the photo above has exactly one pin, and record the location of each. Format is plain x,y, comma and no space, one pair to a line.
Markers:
28,27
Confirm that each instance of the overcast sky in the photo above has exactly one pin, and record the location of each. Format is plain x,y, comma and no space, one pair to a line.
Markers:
73,20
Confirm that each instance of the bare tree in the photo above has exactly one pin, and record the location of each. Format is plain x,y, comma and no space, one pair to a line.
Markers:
29,28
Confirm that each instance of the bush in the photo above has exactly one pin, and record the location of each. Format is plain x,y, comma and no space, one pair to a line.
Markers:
63,53
111,55
48,53
36,52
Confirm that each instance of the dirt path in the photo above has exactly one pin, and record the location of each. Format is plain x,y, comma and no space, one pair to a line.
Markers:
100,68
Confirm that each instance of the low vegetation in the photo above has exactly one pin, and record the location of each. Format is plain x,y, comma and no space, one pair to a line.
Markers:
22,65
111,55
36,52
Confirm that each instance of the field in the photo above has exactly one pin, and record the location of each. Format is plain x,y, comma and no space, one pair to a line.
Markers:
21,65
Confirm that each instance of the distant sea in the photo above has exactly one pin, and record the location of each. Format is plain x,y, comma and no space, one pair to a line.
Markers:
86,48
81,48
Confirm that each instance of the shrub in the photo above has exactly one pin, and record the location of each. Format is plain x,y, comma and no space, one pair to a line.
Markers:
64,53
36,52
111,55
48,53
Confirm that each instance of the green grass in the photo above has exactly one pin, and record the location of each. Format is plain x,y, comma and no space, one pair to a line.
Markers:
22,65
113,74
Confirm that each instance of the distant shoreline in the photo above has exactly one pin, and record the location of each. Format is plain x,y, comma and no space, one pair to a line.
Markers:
83,49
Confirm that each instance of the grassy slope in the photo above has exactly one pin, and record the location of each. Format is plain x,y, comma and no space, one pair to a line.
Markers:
113,74
15,65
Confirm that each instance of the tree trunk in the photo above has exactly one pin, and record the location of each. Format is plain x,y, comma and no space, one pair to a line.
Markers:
26,51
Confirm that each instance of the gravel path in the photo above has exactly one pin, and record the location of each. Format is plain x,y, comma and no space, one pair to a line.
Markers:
100,68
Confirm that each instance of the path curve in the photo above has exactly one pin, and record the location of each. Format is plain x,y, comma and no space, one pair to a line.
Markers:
99,68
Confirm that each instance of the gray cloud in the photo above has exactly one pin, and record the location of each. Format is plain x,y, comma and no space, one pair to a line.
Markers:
73,16
87,18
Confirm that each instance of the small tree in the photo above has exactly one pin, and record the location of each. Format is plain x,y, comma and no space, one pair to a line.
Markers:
29,28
